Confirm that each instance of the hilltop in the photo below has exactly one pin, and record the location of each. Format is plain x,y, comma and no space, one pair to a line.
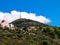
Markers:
29,32
27,22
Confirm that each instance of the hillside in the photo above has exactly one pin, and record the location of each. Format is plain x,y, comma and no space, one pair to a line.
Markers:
26,22
29,32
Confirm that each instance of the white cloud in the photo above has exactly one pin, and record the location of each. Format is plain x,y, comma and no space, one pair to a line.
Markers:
14,15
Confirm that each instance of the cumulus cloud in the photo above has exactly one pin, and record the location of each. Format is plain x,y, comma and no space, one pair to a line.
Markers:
14,15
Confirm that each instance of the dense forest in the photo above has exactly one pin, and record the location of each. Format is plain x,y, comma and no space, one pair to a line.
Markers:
29,32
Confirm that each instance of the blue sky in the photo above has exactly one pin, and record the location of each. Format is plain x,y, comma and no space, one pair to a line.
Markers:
47,8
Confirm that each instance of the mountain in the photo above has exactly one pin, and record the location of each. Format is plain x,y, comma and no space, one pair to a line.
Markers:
26,23
29,32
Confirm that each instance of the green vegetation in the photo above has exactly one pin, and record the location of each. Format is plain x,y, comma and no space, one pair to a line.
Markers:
32,35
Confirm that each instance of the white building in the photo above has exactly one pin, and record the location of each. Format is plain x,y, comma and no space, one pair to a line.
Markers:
5,24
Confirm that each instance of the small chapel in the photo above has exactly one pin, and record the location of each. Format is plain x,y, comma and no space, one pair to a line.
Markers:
4,24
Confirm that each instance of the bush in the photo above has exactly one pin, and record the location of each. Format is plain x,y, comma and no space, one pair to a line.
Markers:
46,43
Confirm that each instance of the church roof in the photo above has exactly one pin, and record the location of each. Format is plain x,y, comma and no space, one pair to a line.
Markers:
3,21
